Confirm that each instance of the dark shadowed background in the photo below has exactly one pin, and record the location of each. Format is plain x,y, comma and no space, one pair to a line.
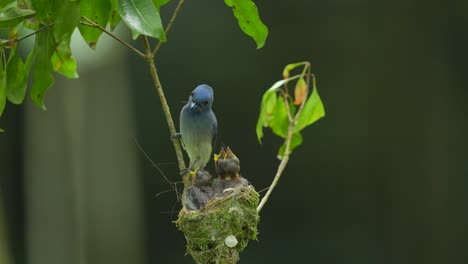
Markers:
381,179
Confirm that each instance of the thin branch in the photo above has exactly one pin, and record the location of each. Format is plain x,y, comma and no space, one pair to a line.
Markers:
149,58
172,184
91,23
292,122
167,113
281,167
169,25
33,33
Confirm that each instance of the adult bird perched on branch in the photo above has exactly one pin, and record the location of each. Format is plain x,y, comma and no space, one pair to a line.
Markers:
198,126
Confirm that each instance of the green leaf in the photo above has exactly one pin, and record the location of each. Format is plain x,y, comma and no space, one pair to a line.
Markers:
13,32
296,141
32,22
142,17
43,78
266,110
313,110
3,96
30,58
291,67
267,106
13,16
4,3
97,11
67,17
2,92
159,3
44,9
279,121
114,17
135,35
63,62
249,21
17,77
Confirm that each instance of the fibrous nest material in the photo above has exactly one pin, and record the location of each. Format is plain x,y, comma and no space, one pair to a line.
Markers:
222,229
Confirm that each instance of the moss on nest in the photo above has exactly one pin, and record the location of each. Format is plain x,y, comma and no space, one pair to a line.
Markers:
209,231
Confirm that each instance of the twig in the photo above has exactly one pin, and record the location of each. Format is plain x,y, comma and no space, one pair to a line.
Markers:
292,122
33,33
165,107
172,184
281,167
169,25
93,24
149,58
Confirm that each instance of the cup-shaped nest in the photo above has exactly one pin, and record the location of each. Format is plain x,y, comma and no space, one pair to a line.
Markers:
222,229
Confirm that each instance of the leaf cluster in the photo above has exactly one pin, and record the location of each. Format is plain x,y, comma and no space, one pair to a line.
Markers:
286,115
53,22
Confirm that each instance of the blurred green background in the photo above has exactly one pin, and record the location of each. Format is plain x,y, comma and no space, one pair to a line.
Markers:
381,179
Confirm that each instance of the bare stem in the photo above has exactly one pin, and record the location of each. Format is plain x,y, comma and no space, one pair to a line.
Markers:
16,40
93,24
34,33
165,107
292,122
148,56
169,25
281,167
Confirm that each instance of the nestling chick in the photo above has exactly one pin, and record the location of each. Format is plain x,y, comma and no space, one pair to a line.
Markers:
228,168
200,192
227,164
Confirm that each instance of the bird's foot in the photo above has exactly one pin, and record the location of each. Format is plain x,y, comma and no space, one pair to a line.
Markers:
184,172
189,171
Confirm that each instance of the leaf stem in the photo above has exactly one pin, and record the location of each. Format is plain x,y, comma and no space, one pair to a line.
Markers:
169,25
281,167
91,23
288,109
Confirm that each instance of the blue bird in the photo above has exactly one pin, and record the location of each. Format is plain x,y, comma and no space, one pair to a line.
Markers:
198,126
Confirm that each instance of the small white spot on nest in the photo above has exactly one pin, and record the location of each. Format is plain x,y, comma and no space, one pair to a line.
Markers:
230,241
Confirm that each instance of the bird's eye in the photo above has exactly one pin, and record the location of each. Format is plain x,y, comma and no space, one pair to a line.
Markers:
192,94
205,102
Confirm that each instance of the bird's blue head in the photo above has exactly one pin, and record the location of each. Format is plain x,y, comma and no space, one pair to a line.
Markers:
201,99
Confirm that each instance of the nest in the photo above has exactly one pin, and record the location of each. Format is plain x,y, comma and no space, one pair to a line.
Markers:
218,232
